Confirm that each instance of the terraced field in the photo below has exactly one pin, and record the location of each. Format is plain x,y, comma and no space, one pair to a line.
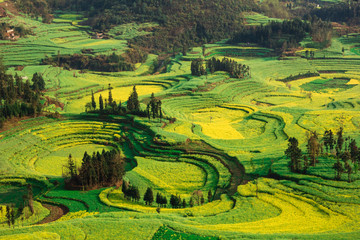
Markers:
229,137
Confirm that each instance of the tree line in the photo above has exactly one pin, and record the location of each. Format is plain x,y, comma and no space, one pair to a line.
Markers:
103,63
286,34
345,150
274,34
338,12
132,193
98,170
109,105
19,99
236,70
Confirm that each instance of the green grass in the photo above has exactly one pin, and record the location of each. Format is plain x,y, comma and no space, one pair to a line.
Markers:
260,112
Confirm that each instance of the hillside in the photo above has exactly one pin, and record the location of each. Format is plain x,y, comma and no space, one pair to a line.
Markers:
178,120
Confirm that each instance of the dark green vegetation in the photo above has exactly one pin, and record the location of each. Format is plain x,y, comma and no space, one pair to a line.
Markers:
183,24
99,170
103,63
235,70
19,99
327,85
286,34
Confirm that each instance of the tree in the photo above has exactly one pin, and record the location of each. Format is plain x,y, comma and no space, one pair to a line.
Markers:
202,200
71,167
184,203
328,140
93,103
339,169
133,103
158,199
148,196
38,82
340,141
349,170
196,196
110,99
345,157
101,103
197,68
354,151
8,215
153,108
294,153
210,196
191,202
313,147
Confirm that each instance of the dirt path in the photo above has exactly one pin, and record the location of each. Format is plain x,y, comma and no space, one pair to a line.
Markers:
56,212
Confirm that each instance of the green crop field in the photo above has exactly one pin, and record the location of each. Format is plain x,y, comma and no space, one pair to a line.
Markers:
228,137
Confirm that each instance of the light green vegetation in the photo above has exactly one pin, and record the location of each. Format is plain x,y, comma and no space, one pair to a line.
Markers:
220,122
254,19
131,30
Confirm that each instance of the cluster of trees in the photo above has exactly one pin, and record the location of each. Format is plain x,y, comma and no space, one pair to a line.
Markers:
11,214
103,63
109,105
277,35
18,99
132,193
286,34
153,108
106,105
182,23
321,31
338,12
36,9
236,70
344,149
99,170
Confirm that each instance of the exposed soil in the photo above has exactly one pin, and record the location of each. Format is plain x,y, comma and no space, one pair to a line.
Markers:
56,212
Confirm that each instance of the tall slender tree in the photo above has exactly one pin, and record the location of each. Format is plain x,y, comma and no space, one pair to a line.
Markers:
294,153
101,103
93,103
313,147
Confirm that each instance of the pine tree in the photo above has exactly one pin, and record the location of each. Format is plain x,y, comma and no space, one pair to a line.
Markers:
191,202
340,141
294,153
210,196
110,99
93,103
71,166
148,196
101,103
133,103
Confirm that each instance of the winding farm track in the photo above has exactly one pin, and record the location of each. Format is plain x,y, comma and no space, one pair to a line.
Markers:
56,212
